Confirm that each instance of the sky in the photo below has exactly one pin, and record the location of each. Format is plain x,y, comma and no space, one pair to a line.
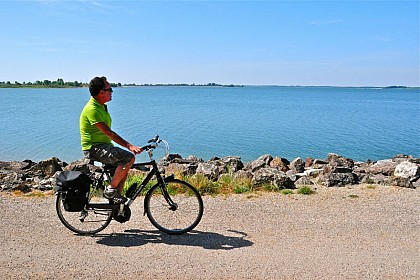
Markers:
308,43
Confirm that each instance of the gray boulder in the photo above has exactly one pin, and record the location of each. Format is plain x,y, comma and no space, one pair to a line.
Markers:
385,167
272,176
208,169
261,162
338,179
297,165
407,169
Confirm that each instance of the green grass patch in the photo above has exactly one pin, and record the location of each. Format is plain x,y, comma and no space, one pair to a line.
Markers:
137,178
305,190
287,191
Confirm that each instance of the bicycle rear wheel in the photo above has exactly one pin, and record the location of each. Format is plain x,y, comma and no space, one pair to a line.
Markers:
180,219
84,222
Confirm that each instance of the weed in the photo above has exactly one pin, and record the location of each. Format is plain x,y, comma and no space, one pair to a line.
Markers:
306,190
242,189
372,187
203,184
137,178
353,196
287,191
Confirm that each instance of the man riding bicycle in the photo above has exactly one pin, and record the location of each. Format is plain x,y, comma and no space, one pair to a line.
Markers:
97,136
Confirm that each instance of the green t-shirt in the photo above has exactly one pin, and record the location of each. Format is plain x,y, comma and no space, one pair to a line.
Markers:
93,113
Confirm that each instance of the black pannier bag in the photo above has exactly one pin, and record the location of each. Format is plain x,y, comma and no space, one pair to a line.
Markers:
73,186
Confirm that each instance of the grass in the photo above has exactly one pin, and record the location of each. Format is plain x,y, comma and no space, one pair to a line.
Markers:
287,191
137,177
34,193
226,184
305,190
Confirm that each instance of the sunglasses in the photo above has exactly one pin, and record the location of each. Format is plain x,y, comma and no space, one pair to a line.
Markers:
108,89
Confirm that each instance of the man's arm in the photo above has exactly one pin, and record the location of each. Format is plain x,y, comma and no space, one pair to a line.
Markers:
117,139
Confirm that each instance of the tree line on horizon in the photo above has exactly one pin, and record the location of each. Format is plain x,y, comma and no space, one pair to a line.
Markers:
60,83
44,83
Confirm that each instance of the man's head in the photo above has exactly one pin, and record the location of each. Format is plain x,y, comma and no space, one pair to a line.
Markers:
96,85
100,89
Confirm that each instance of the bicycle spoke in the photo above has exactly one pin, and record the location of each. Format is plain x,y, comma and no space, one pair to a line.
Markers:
188,212
83,222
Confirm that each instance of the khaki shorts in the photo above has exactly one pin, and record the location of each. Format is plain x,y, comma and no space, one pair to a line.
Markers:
108,154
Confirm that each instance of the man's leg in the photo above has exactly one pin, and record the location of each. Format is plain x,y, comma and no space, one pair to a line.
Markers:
120,175
115,156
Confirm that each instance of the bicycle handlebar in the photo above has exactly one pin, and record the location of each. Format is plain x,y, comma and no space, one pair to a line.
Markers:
155,142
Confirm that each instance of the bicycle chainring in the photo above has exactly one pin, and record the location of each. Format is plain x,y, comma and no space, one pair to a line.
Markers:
121,218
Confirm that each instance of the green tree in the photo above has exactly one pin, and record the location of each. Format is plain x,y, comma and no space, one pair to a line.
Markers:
60,82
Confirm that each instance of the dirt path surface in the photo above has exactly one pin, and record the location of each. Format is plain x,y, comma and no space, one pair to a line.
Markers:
338,233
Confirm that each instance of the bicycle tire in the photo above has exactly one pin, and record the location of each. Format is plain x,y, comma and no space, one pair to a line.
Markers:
189,210
93,222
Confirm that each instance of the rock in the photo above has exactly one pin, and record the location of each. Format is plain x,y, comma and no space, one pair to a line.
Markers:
228,164
261,162
416,183
281,164
83,165
209,170
232,163
379,179
171,157
182,169
23,187
305,180
242,174
337,169
319,163
337,160
338,179
16,165
400,158
291,174
385,167
407,169
297,165
193,158
402,182
47,167
309,162
272,176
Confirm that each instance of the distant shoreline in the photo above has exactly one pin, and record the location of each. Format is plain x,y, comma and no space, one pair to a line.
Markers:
3,85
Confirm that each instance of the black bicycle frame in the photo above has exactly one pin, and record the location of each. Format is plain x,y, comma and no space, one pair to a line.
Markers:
160,181
139,189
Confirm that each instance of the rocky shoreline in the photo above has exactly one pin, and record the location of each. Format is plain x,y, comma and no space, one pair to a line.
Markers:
334,171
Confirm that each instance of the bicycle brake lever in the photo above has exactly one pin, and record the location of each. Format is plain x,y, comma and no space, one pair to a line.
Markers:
156,139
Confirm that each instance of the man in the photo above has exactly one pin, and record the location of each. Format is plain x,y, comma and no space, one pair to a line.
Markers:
97,136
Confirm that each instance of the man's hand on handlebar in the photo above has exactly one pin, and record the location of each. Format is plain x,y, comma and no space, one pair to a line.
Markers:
134,149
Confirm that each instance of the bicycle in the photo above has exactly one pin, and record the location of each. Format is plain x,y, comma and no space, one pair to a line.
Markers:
172,205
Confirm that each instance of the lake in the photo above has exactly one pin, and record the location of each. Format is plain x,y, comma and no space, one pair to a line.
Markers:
289,122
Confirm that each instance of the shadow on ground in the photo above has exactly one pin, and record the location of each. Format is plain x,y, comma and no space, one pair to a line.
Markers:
206,240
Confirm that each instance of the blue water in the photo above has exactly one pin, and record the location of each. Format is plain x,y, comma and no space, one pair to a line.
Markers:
249,121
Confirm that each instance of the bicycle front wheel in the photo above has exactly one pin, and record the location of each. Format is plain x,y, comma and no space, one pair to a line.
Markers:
84,222
183,215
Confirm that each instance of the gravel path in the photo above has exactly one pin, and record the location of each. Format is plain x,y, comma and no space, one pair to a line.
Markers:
338,233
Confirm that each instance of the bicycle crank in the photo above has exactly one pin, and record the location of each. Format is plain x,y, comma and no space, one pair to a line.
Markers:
123,215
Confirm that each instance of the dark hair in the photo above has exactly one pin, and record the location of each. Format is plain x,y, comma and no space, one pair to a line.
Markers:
96,85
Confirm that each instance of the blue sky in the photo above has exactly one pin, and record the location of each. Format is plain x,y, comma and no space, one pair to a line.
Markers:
341,43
